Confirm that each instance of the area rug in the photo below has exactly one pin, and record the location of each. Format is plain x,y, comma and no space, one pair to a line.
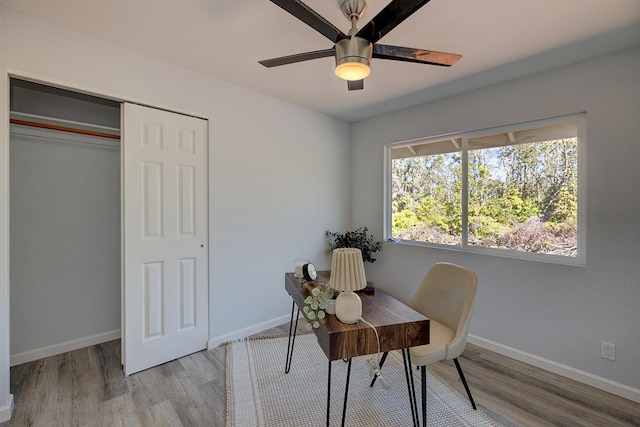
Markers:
260,394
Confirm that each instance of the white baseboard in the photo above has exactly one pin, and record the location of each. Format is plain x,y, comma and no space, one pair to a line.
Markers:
6,410
245,332
52,350
601,383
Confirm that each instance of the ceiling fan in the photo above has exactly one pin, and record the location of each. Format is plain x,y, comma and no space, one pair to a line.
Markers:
353,51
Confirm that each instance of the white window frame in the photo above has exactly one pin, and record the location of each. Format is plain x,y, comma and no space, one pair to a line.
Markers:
579,259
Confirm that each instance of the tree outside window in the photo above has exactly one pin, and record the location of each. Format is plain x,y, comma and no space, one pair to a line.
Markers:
508,190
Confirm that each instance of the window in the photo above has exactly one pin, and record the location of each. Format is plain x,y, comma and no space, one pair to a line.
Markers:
512,191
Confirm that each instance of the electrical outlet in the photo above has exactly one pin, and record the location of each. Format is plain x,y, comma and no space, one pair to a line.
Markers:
608,350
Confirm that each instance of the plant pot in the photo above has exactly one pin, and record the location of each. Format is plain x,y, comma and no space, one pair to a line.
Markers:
331,307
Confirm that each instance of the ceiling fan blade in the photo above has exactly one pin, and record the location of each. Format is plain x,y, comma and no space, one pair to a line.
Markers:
355,84
388,18
311,18
420,56
298,57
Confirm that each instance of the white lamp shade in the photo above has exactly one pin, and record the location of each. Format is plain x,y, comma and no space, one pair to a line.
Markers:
347,270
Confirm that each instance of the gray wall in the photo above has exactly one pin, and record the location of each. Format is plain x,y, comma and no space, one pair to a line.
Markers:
260,216
556,312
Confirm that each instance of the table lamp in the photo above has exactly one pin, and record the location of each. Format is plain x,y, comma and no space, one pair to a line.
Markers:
347,275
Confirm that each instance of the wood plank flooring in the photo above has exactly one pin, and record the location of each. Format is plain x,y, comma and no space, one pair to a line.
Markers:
86,387
517,394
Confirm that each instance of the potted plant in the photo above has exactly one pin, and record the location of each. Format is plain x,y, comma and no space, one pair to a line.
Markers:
358,238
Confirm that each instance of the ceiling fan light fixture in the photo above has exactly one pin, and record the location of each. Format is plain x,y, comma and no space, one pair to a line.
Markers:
353,58
352,71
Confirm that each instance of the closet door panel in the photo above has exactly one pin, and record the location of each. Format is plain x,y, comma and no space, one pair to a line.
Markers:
165,205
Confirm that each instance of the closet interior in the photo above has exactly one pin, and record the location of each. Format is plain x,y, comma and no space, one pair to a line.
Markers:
64,220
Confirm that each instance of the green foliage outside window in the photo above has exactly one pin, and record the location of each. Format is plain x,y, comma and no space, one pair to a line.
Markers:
522,197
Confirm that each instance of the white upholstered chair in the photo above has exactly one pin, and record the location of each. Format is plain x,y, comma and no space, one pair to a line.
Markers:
446,297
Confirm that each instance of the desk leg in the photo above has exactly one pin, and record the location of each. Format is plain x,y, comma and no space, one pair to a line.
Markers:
346,393
329,395
384,357
406,358
423,387
293,329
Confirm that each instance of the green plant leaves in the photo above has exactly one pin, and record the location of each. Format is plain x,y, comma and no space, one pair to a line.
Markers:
358,238
316,304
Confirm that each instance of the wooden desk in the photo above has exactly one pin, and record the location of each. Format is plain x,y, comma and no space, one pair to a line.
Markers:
398,326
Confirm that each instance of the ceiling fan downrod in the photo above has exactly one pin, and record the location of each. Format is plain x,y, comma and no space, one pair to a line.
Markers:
353,8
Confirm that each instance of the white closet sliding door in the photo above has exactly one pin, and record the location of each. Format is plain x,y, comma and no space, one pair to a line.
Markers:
165,261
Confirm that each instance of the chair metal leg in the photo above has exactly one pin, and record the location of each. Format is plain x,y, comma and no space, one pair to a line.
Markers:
406,358
293,329
423,387
382,359
464,382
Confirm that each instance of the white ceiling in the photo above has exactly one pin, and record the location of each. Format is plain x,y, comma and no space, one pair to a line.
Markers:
498,39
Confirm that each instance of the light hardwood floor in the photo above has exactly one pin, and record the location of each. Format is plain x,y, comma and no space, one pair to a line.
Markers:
87,387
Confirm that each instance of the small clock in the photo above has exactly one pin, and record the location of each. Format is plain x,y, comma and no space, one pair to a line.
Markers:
309,272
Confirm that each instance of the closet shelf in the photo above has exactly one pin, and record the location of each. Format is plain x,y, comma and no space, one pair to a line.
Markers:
64,125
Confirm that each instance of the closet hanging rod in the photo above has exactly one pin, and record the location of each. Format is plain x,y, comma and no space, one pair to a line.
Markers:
63,128
62,122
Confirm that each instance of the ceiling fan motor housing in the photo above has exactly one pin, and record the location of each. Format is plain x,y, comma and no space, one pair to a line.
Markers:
353,50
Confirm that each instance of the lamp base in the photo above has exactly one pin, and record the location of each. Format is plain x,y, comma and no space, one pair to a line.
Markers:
348,307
